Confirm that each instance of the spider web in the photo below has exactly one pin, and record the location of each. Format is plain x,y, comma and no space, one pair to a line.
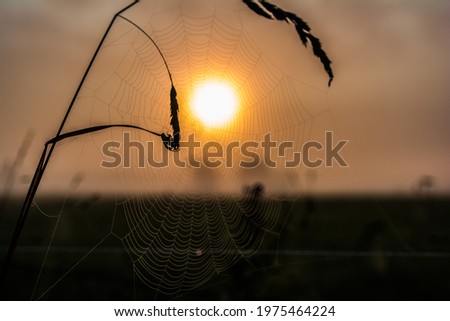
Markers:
177,227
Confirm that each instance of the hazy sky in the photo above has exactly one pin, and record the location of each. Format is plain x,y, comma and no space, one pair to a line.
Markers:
390,95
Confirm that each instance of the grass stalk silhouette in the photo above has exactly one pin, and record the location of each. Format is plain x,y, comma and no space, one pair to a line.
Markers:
171,143
271,11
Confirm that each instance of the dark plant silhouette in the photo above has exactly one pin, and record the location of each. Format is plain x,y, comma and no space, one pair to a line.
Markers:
171,143
174,122
271,11
257,8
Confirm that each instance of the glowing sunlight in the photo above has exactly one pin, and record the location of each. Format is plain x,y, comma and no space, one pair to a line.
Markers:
214,103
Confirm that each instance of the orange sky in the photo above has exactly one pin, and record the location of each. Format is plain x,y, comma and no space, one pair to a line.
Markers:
390,95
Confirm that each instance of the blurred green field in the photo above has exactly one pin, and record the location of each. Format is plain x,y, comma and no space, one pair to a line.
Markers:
329,249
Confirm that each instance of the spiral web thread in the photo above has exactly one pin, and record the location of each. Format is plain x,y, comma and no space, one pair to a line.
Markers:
182,226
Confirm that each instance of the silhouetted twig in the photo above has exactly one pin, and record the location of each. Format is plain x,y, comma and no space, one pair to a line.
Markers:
256,8
271,11
169,142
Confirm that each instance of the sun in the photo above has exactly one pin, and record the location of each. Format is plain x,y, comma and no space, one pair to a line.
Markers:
214,103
